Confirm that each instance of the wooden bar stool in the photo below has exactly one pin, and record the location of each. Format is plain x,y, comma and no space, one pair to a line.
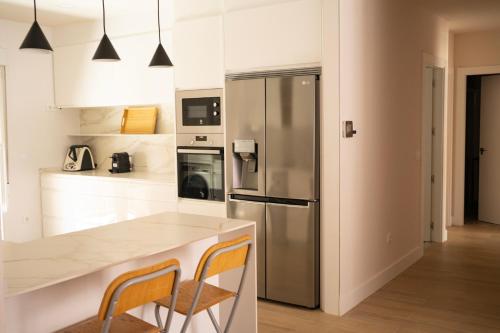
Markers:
129,291
196,295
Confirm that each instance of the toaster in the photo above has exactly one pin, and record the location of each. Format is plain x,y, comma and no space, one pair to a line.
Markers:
120,162
79,158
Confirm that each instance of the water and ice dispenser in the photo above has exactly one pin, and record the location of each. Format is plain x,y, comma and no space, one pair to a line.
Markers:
245,161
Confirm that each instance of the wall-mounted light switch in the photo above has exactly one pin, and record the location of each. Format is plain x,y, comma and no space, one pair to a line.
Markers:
348,130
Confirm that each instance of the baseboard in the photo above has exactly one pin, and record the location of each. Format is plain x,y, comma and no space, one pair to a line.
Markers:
350,300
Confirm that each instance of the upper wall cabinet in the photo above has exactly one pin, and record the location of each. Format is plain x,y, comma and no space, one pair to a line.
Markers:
79,81
280,34
199,53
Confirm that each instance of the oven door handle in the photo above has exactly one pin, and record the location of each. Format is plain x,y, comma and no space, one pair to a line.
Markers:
199,151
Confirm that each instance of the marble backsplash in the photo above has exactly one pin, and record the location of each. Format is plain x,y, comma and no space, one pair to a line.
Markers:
150,153
108,120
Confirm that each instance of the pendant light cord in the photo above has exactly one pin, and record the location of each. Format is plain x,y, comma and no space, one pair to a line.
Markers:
103,17
159,32
34,8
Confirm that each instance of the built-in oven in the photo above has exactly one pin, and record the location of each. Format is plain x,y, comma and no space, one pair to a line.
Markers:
199,111
200,167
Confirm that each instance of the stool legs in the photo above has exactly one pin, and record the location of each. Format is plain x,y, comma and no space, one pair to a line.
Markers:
214,321
158,317
171,310
196,299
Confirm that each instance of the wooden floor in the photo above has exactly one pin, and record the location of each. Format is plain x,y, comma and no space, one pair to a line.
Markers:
455,287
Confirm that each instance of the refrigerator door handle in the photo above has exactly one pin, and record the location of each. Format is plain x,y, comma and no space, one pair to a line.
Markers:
242,200
290,205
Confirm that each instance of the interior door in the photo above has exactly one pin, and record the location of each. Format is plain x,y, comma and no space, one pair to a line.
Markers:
291,137
489,160
437,154
292,246
427,151
254,211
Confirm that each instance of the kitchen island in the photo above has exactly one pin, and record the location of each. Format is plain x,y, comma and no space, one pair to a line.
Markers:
53,282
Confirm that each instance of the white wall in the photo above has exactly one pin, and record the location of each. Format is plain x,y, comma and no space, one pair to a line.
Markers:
381,45
475,49
35,135
330,162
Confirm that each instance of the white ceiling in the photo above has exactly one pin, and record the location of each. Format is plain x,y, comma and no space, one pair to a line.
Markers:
59,12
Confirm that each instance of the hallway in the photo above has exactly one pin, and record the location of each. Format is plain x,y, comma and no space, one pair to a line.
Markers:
455,287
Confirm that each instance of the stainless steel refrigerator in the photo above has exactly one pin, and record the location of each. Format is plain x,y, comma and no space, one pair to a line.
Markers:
273,179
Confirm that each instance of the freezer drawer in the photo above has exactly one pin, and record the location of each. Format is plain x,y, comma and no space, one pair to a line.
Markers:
292,247
254,211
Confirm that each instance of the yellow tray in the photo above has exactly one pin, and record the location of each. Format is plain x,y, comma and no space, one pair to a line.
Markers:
139,120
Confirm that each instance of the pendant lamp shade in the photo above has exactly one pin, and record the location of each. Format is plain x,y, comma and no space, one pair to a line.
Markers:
105,51
35,39
160,58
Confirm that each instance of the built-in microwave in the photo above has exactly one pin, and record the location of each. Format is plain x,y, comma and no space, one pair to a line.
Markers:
199,111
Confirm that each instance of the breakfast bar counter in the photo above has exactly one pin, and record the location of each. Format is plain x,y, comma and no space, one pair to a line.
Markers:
46,277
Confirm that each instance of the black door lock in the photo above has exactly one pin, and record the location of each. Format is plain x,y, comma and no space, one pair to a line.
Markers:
348,129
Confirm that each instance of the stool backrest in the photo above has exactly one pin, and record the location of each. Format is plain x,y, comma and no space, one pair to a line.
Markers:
138,287
223,257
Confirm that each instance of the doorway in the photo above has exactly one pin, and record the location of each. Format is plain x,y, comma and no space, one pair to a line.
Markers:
472,146
433,152
482,149
459,139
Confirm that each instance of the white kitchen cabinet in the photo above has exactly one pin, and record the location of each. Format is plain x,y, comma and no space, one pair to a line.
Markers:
71,202
279,35
199,53
81,82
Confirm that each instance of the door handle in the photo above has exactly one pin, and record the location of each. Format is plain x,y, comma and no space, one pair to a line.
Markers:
482,150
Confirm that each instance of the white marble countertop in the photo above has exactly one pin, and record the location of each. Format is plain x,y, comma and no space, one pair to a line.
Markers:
48,261
105,174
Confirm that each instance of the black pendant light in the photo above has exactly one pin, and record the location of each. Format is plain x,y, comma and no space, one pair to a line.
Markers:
35,39
160,58
105,51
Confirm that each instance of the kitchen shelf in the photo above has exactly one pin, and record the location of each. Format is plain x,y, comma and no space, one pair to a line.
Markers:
118,134
76,107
